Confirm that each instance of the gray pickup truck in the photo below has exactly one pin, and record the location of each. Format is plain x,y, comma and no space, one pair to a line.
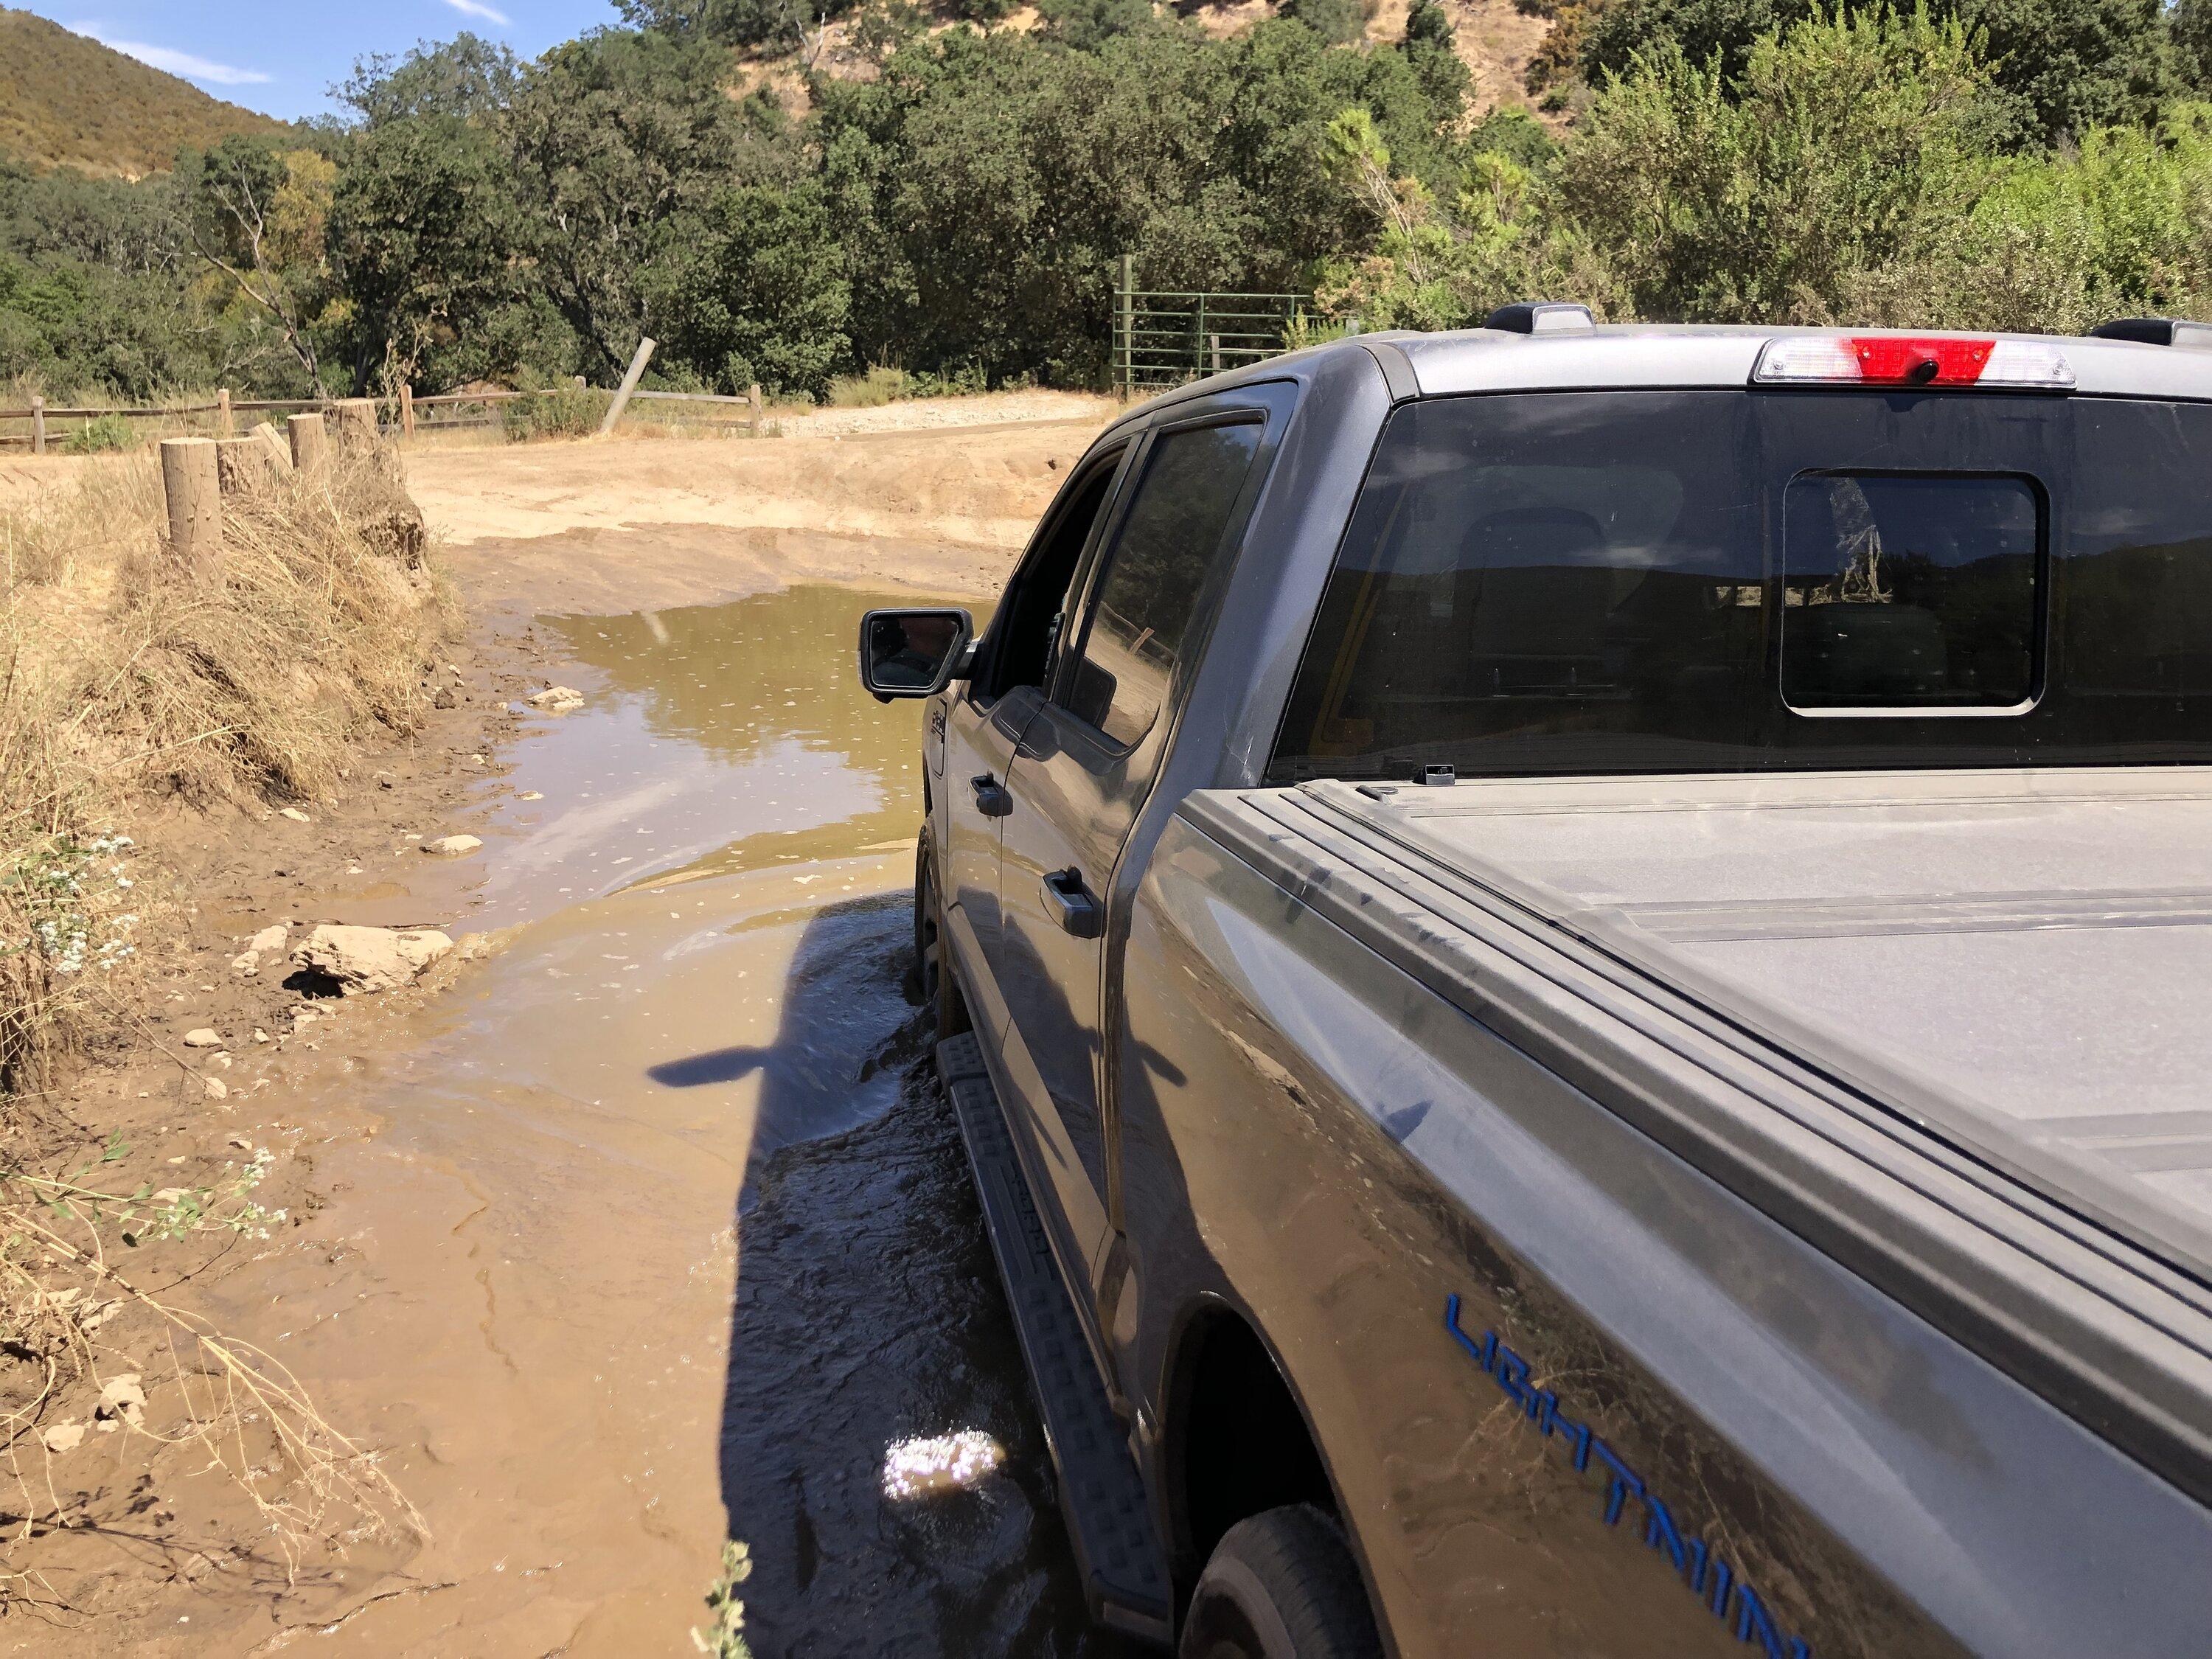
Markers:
1576,964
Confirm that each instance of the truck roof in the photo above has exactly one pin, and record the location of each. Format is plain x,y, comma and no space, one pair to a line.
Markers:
1626,355
2016,960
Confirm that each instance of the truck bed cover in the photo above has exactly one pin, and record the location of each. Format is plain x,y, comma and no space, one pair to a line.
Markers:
2020,961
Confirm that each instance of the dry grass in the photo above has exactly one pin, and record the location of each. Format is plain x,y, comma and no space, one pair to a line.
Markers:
128,674
125,673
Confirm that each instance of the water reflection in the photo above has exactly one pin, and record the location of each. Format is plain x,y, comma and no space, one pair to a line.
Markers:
716,739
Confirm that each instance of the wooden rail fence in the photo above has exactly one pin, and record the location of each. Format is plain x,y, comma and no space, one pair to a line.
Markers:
42,428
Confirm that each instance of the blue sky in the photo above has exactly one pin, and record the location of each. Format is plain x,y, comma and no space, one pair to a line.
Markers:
283,58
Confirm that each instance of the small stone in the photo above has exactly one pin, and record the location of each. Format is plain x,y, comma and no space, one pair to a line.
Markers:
122,1396
294,814
270,938
246,964
452,846
531,794
260,1036
204,1036
556,699
443,697
215,1087
221,1059
64,1436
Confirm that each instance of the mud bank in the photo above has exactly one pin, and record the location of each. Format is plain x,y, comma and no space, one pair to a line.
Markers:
650,1228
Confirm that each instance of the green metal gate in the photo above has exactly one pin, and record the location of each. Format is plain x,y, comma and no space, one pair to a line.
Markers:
1163,339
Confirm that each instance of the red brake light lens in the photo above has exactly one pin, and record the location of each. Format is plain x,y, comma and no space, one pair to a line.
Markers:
1907,360
1894,360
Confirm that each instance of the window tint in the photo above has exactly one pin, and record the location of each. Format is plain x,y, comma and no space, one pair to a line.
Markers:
1910,592
1568,576
1145,597
1029,621
1666,581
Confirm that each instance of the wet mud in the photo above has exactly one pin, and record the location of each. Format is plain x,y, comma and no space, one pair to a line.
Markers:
655,1229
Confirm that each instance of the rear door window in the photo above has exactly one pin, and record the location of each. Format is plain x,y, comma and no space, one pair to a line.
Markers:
1146,595
1910,592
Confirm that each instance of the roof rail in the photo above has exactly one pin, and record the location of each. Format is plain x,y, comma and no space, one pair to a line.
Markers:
1541,316
2156,330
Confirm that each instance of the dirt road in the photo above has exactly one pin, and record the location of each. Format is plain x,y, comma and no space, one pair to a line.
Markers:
649,1231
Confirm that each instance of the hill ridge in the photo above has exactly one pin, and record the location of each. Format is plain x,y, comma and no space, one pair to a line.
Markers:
67,100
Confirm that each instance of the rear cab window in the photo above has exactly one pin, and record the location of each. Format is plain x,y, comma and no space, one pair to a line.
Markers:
1593,582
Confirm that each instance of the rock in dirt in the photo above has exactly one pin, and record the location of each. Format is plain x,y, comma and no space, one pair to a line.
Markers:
556,699
294,814
269,939
64,1437
204,1036
363,960
216,1089
451,845
121,1396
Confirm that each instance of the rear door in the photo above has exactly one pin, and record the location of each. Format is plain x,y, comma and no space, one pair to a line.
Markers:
986,716
1081,771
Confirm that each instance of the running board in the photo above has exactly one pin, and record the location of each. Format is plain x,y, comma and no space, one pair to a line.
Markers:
1117,1551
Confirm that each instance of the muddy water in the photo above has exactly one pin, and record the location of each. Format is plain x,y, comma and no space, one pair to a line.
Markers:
654,1229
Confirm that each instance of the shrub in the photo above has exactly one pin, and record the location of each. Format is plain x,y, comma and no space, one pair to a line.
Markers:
879,386
101,434
561,411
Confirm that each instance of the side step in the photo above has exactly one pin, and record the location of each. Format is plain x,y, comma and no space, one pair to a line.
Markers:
1117,1551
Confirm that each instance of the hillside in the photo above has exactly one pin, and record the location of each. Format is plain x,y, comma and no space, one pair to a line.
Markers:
1495,39
67,100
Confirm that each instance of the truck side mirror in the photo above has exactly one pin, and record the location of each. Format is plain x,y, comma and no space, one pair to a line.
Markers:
915,652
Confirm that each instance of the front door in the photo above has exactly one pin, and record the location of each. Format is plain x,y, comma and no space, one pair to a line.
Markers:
1081,771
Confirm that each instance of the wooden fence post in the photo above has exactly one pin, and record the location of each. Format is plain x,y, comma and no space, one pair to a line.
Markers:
1213,344
753,406
222,412
242,463
38,426
406,412
280,452
630,380
194,492
356,422
306,432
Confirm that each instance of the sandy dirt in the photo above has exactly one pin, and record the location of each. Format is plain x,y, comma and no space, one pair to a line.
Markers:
544,526
643,1227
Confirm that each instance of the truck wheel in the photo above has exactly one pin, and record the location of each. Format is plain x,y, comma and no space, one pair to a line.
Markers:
933,979
1281,1585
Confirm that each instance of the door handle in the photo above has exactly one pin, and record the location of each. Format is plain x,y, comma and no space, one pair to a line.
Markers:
992,800
1067,899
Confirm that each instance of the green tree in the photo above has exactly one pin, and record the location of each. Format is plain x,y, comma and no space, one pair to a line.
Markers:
1339,22
2192,43
422,222
2068,65
1851,149
617,140
1430,47
467,78
758,292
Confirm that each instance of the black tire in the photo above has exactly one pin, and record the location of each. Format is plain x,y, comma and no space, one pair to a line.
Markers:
1281,1585
935,982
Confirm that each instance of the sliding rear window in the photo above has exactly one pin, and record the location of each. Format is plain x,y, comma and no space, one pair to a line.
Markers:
1594,582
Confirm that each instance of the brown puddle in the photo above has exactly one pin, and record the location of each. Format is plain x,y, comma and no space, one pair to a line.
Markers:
659,1230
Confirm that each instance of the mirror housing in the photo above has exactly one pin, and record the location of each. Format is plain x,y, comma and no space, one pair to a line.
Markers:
915,651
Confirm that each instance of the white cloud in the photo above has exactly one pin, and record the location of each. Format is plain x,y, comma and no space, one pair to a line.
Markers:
478,9
183,63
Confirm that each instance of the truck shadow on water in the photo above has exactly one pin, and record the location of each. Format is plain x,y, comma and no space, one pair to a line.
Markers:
868,1312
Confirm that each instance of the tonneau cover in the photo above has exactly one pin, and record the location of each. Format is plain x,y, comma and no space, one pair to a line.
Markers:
2022,960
